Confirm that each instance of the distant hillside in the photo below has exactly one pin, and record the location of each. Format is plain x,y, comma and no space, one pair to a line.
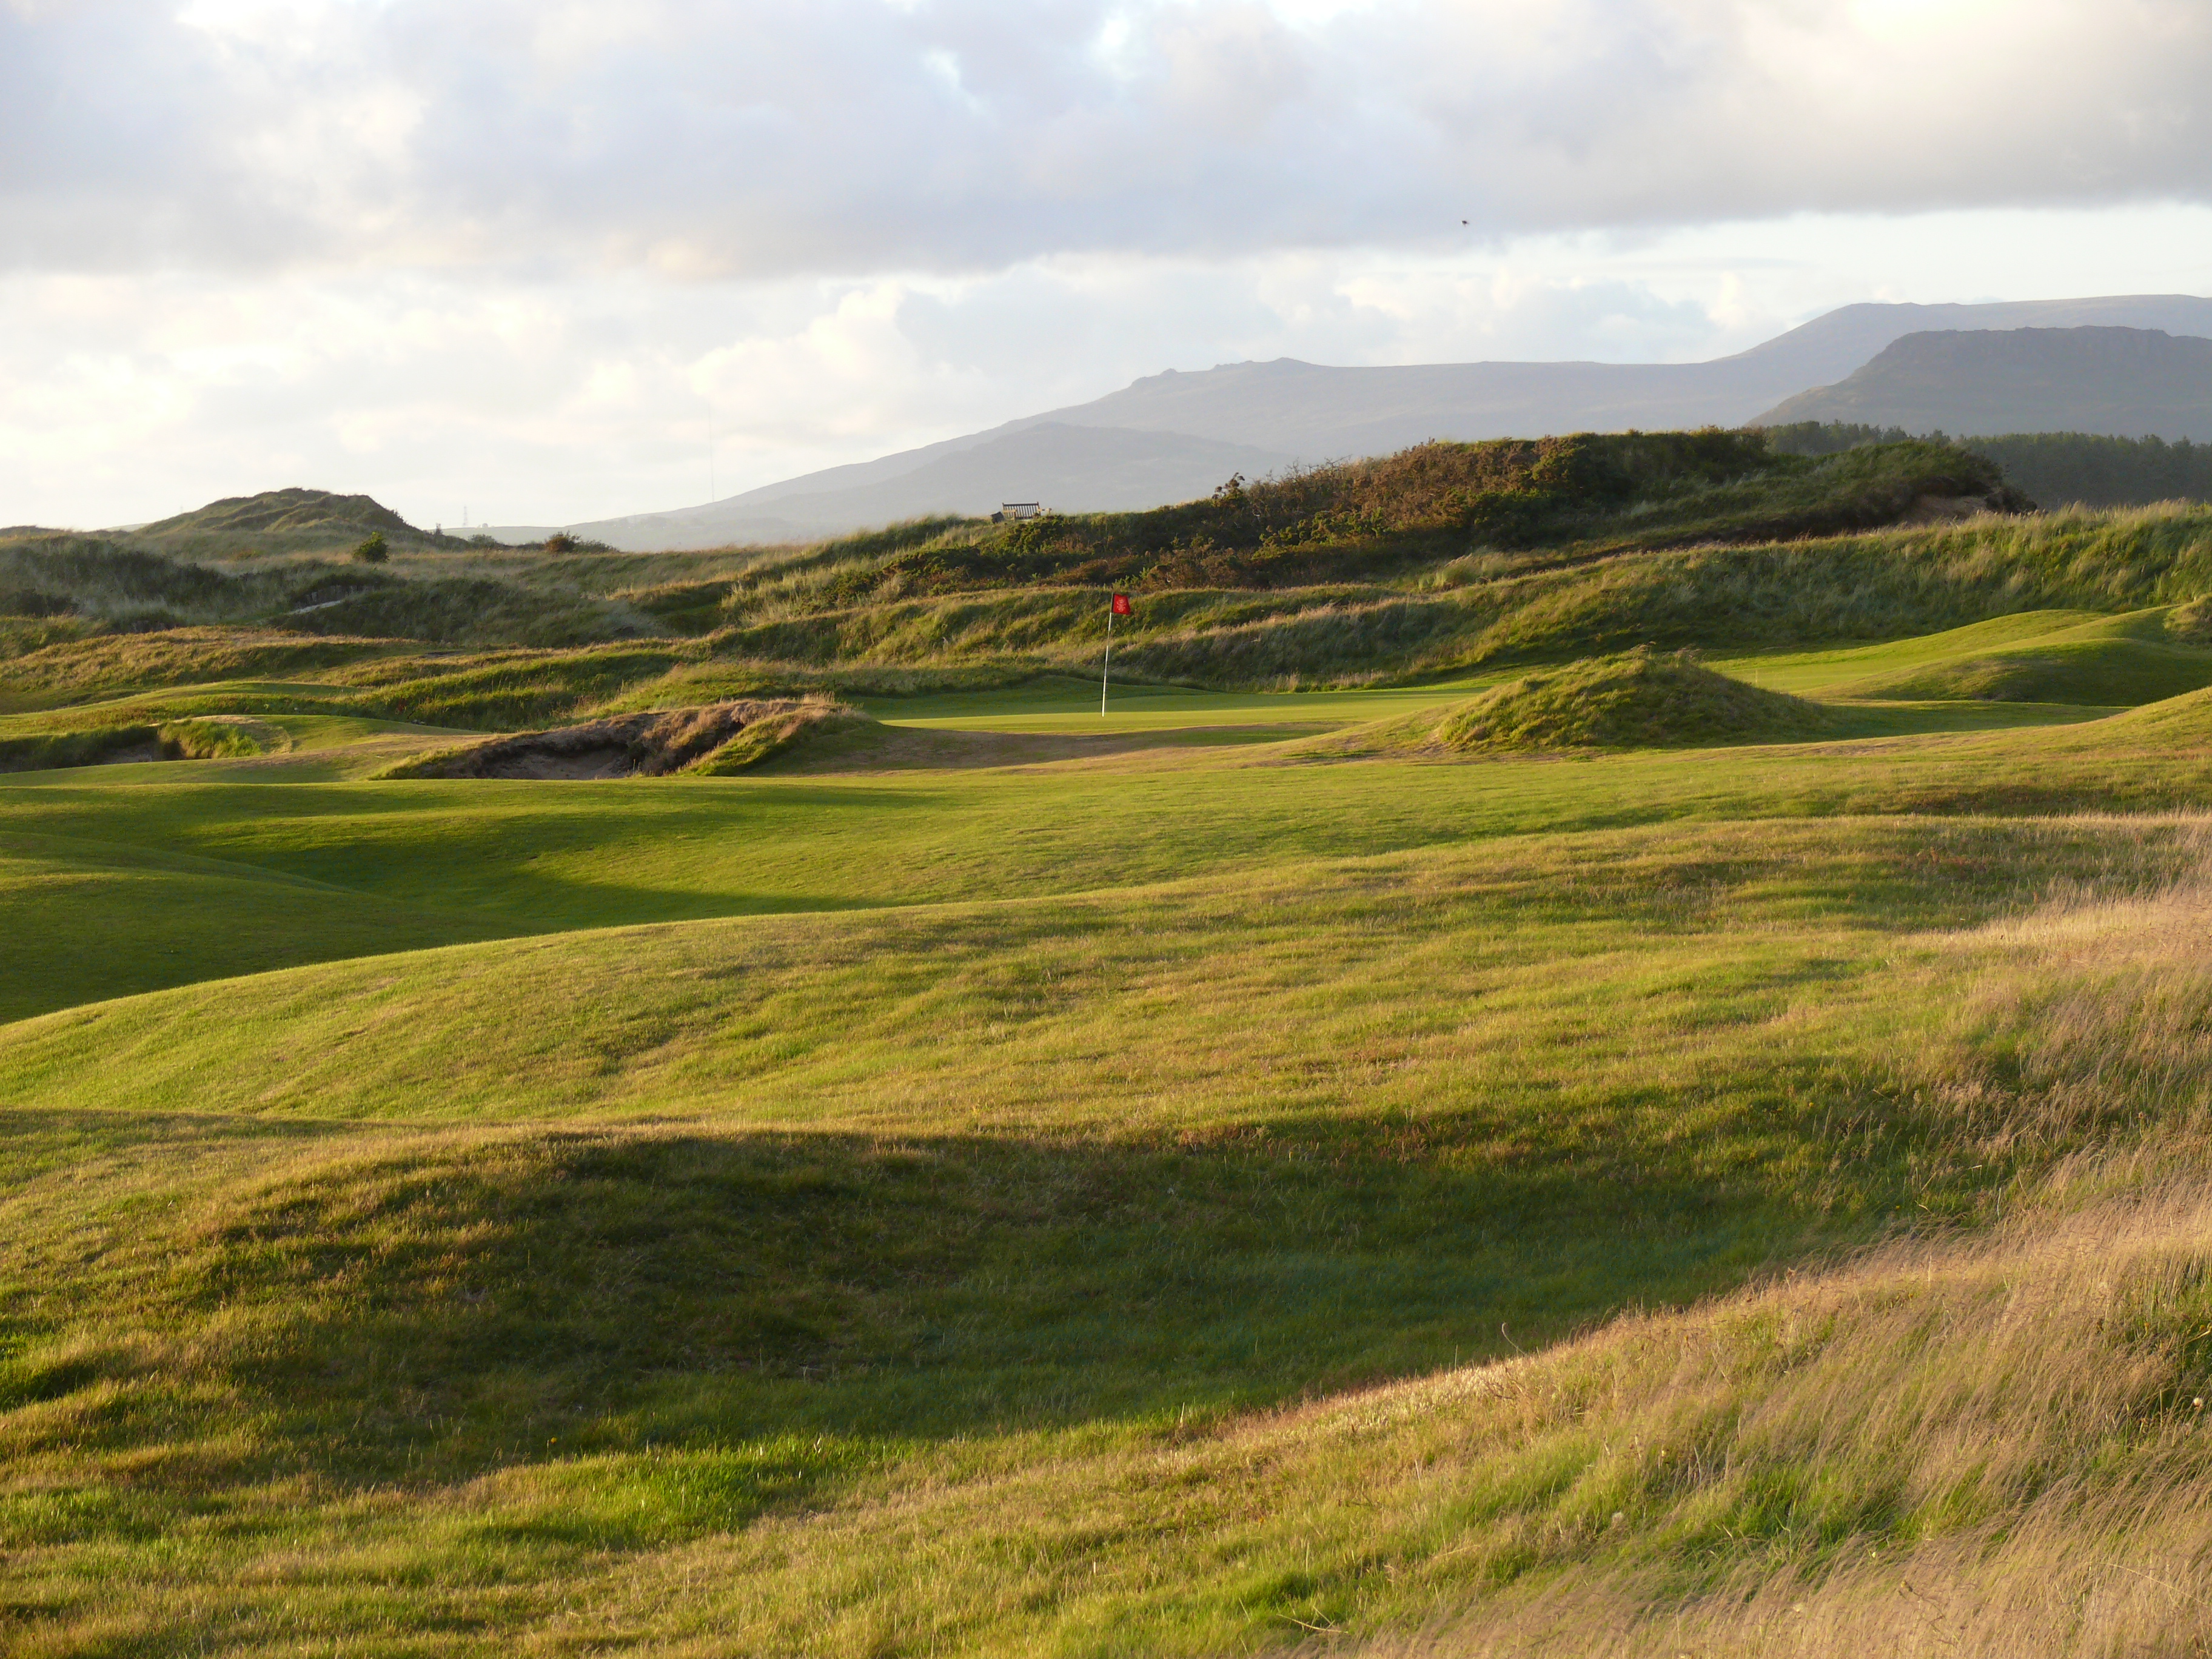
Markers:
1073,469
2122,381
1313,413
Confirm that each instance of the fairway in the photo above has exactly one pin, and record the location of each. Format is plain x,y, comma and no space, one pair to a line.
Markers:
1073,706
1440,1162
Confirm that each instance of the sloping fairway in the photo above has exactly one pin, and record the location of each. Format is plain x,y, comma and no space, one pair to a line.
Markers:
2116,660
1625,1153
2069,657
466,859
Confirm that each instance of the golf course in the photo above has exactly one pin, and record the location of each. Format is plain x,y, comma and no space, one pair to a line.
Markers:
1606,1048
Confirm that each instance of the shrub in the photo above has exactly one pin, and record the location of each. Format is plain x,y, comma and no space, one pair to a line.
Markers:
373,551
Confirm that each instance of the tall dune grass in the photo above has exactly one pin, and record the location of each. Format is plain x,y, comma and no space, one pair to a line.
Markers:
1995,1445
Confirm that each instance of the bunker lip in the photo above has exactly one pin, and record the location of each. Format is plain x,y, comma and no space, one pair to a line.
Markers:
655,743
197,737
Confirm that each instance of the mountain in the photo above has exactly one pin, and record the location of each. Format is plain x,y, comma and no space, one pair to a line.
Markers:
1071,468
1294,411
2123,382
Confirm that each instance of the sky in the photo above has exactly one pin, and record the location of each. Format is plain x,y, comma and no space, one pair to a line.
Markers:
543,261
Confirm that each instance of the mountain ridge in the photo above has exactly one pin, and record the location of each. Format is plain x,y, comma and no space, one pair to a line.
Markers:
2118,382
1311,413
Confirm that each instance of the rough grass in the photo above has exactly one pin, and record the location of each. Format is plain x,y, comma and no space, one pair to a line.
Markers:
1469,612
219,738
1987,1446
129,588
81,669
1358,519
786,627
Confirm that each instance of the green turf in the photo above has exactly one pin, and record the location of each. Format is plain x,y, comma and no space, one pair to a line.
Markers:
1824,669
1059,704
957,1208
2054,657
524,857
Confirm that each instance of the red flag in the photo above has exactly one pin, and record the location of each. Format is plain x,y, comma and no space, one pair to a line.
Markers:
1120,604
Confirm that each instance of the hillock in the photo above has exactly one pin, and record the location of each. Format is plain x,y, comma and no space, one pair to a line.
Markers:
285,519
125,587
1431,558
223,738
1641,699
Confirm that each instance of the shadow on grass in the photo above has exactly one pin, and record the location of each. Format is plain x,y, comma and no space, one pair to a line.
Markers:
475,1302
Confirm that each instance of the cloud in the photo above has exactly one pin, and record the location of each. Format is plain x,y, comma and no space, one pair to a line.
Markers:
525,400
516,255
762,139
125,397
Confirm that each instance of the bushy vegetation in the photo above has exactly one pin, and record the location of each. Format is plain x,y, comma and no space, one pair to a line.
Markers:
2057,469
2062,468
1361,520
131,589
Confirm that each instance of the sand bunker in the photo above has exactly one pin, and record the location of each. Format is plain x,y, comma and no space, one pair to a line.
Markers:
721,737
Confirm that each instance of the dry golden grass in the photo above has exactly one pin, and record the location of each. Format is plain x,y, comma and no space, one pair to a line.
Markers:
1999,1446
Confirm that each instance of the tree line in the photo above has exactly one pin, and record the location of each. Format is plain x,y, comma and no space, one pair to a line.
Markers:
2053,469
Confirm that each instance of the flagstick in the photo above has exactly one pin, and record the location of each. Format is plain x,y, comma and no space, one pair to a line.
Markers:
1109,668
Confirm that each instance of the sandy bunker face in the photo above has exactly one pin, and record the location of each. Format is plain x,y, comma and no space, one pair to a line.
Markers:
547,764
133,754
653,743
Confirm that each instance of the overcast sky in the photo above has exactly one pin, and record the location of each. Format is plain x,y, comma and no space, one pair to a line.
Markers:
515,258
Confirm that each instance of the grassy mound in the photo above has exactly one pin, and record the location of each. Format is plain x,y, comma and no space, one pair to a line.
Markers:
1420,565
1642,699
125,587
787,731
77,669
